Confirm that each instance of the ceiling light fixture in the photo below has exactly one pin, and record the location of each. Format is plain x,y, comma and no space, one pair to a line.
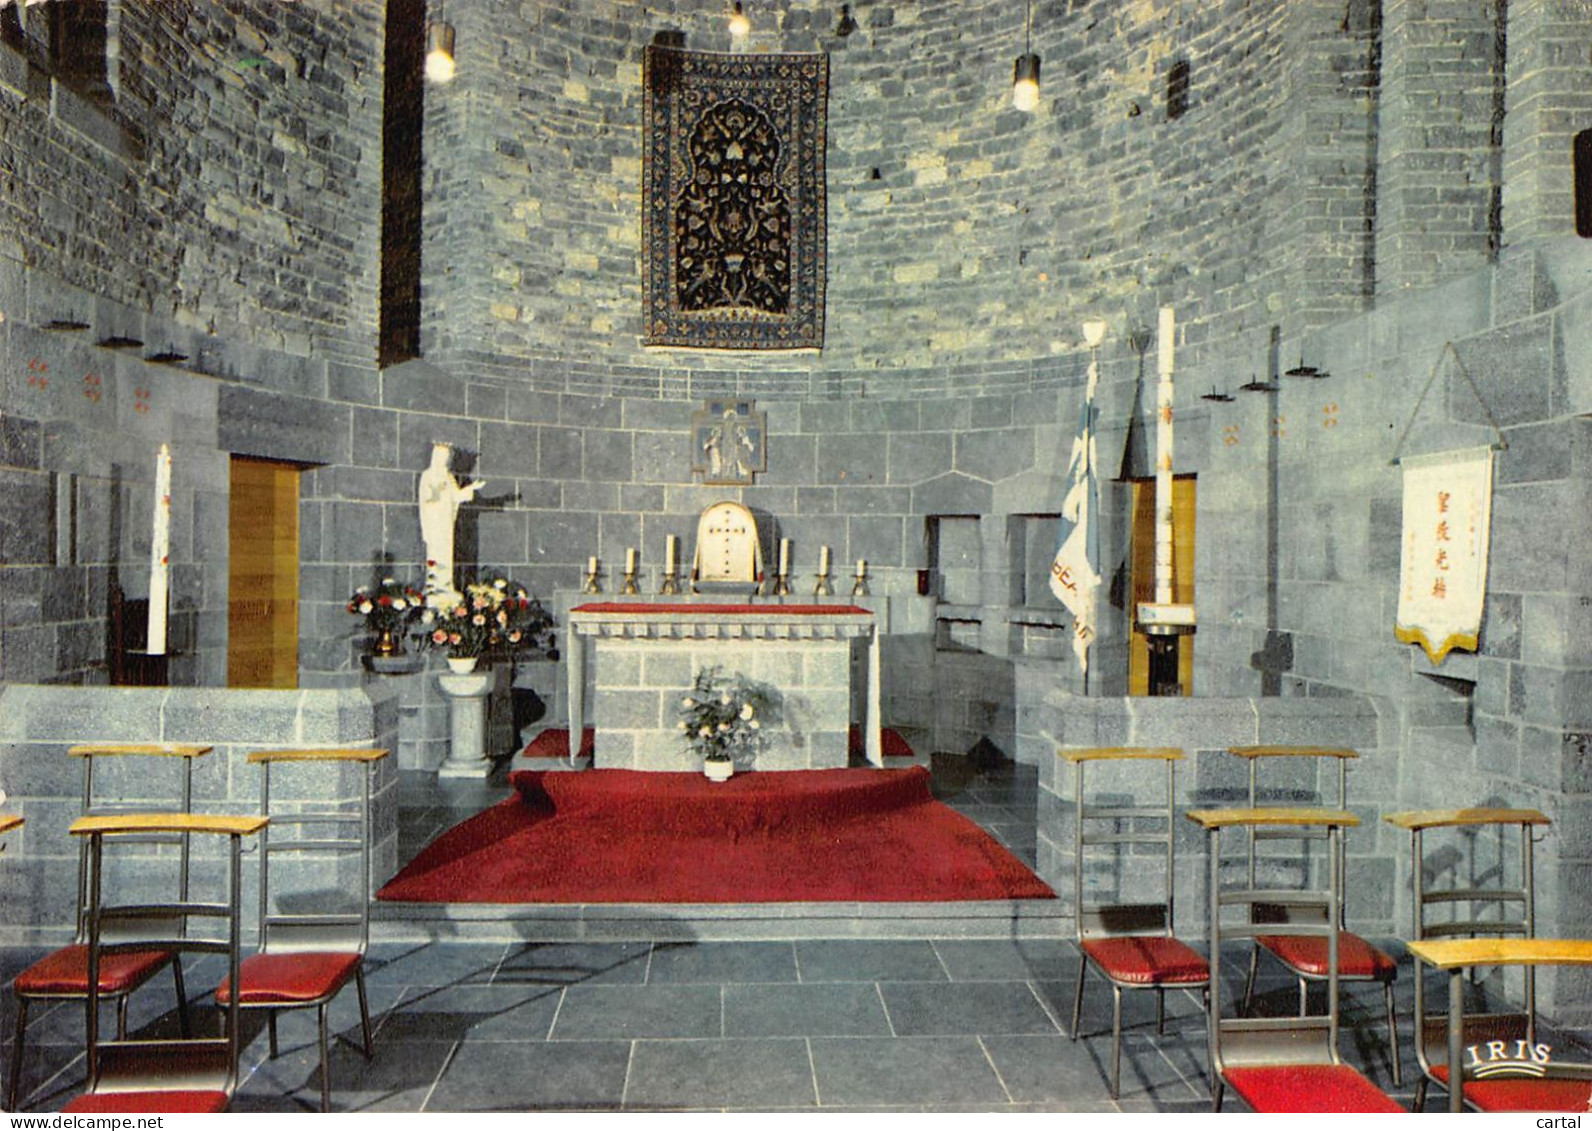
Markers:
1025,74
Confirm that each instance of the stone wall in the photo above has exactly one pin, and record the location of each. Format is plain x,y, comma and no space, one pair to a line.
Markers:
45,786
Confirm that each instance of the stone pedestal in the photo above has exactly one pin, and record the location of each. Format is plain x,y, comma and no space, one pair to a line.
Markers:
467,695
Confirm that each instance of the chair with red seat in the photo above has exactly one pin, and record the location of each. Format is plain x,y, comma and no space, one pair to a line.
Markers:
1291,1063
62,975
1305,955
1473,848
306,958
1501,1075
1129,942
153,1073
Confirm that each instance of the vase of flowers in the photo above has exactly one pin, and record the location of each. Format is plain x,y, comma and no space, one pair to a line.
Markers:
388,610
492,618
722,720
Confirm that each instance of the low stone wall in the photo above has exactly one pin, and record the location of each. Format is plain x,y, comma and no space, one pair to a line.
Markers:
1209,777
38,723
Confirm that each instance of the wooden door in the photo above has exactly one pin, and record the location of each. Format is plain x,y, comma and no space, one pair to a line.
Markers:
1142,574
262,575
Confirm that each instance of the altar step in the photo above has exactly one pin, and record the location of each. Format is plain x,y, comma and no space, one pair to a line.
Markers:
718,922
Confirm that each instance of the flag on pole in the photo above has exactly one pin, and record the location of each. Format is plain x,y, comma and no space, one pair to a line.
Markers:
1074,574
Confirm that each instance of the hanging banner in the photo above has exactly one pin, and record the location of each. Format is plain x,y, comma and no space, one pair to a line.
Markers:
1443,563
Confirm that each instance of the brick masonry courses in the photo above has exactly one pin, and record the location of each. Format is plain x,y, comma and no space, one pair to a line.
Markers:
1313,185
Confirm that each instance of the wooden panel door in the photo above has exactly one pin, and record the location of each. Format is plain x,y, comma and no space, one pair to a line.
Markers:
1142,573
262,575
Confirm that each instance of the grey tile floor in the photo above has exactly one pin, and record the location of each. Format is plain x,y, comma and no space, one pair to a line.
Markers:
809,1025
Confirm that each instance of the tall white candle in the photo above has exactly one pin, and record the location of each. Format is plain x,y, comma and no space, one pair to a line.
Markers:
668,554
630,560
823,560
862,567
1163,463
160,554
784,557
591,564
1164,339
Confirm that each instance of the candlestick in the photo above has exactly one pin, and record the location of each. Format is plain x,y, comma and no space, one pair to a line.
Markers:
668,555
862,567
160,554
591,585
784,556
860,589
1163,464
630,560
823,560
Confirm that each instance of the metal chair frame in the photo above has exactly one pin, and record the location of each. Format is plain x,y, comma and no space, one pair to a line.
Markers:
1273,1042
1431,1040
89,752
1343,755
283,932
1122,920
1456,955
150,1066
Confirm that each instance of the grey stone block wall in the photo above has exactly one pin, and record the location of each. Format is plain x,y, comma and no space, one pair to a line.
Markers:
40,723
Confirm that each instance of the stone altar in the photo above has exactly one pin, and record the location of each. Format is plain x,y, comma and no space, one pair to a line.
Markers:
644,657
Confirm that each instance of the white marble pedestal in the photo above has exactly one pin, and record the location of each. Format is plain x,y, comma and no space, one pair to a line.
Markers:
467,724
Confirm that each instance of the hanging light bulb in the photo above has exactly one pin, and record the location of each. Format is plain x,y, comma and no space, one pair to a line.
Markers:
439,51
1025,74
740,25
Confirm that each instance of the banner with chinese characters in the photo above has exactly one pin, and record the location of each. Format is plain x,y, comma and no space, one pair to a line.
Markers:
1443,564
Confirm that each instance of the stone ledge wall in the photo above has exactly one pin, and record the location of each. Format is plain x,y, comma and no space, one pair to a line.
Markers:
39,723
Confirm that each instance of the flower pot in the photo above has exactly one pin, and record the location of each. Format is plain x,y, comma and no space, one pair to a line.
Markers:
462,665
718,770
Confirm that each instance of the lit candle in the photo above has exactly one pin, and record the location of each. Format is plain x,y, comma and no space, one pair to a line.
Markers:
823,560
630,560
591,564
160,554
862,567
1163,343
668,554
784,557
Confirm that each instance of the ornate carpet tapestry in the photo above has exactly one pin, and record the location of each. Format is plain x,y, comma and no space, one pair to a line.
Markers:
733,210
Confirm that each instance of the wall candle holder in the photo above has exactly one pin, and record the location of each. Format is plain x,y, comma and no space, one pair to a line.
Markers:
591,585
629,589
860,589
823,588
669,586
781,585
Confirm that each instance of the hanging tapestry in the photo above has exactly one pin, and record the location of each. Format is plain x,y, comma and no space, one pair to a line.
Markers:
1443,561
732,199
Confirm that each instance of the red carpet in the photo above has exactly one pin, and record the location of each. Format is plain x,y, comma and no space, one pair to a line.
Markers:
628,836
554,743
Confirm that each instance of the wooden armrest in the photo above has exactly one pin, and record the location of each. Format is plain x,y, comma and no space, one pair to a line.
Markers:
1228,818
9,821
1452,954
1108,753
323,754
1435,818
158,749
1293,752
167,823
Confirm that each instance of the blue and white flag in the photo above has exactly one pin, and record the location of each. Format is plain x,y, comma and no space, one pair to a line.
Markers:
1075,572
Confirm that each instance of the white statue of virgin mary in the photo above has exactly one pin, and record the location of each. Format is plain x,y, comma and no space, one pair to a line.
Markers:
440,498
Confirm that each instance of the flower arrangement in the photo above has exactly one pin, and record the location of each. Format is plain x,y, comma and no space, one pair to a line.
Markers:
723,715
392,607
491,617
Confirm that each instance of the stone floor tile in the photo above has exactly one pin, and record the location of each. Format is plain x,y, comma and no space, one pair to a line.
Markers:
575,964
720,1074
472,1013
431,964
919,1072
834,1009
1009,960
631,1012
921,1009
868,960
533,1076
722,963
